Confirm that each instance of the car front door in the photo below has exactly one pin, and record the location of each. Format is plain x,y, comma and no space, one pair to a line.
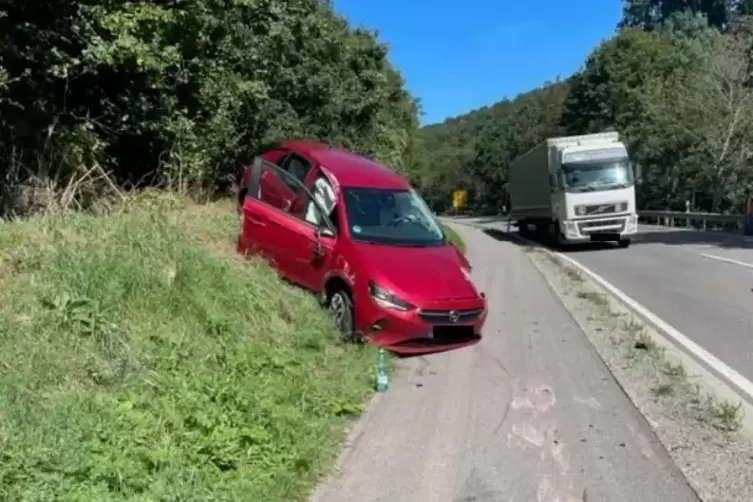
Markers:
304,239
298,248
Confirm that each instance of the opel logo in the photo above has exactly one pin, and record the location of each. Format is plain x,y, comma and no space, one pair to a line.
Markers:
454,316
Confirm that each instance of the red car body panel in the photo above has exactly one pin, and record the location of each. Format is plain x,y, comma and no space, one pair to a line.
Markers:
434,280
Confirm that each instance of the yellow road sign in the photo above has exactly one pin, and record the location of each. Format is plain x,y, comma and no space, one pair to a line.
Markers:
459,198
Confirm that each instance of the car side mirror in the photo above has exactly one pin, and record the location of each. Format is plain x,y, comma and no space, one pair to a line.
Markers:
324,232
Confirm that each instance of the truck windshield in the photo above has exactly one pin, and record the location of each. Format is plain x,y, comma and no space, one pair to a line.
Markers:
395,217
597,175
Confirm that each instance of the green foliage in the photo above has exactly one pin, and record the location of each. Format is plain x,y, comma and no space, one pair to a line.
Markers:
473,152
140,364
454,238
184,92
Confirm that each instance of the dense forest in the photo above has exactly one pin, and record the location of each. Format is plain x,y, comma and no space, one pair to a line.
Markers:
111,93
675,81
99,94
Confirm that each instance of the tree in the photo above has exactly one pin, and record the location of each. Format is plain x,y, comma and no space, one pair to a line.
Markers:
186,91
713,108
651,14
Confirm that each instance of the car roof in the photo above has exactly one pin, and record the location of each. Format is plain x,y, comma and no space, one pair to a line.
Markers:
350,169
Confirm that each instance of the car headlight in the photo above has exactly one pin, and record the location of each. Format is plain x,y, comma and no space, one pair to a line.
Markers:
580,210
386,298
622,207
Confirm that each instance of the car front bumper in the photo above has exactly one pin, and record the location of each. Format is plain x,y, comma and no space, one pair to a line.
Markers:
435,327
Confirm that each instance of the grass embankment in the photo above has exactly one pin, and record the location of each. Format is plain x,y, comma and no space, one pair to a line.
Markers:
140,360
454,238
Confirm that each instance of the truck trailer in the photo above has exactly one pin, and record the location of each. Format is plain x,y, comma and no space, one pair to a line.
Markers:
575,189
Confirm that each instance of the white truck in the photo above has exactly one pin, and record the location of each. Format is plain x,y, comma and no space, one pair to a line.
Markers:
575,189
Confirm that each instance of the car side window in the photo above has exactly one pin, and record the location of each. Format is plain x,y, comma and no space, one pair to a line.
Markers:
297,168
312,210
322,199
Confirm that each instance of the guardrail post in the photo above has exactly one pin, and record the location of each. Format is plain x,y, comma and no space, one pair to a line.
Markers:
687,212
748,221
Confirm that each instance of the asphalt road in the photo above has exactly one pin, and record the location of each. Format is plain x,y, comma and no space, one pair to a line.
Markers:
529,414
679,276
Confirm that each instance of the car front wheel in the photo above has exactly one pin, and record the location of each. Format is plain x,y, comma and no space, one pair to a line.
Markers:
341,309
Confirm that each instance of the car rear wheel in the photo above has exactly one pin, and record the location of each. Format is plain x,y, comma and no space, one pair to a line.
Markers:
341,309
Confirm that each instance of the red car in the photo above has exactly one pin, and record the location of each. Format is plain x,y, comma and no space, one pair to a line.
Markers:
355,232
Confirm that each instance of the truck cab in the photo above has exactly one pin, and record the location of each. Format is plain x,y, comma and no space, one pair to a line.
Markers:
593,193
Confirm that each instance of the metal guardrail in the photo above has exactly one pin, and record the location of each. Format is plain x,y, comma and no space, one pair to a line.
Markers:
688,219
676,219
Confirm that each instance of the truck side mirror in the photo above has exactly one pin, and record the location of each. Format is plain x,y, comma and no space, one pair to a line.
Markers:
637,173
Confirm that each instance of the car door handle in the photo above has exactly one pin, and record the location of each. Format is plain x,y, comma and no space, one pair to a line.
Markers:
254,220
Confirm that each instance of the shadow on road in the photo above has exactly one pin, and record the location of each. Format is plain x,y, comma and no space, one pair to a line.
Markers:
501,235
681,237
646,235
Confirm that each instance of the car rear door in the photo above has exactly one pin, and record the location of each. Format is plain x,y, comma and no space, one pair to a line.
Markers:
255,229
273,187
274,190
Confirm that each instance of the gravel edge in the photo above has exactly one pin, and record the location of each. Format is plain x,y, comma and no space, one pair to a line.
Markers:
700,432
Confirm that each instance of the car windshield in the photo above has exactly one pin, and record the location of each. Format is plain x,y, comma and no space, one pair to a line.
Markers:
596,176
396,217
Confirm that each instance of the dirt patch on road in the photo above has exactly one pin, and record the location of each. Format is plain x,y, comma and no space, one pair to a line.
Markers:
700,432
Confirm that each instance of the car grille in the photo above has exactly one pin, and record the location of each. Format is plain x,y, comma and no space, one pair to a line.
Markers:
450,316
601,226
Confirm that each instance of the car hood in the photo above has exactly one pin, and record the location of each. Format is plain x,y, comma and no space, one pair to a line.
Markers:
418,273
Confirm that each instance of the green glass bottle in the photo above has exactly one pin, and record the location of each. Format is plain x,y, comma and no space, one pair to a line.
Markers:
382,379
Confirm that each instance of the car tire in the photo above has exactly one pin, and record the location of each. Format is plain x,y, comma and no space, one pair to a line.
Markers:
340,307
624,243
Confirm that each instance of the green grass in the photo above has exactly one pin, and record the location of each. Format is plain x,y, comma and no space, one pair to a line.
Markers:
454,238
140,360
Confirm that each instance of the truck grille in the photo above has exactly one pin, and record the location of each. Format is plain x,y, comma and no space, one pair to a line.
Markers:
450,316
601,226
601,209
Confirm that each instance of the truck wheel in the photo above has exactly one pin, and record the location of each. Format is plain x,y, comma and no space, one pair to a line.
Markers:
560,240
623,243
556,239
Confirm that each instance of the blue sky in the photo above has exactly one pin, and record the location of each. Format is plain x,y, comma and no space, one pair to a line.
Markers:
459,56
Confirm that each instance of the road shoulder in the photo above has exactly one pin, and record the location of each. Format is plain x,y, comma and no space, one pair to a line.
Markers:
530,413
699,432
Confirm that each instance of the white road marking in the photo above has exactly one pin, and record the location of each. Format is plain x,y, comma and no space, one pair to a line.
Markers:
743,385
728,260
